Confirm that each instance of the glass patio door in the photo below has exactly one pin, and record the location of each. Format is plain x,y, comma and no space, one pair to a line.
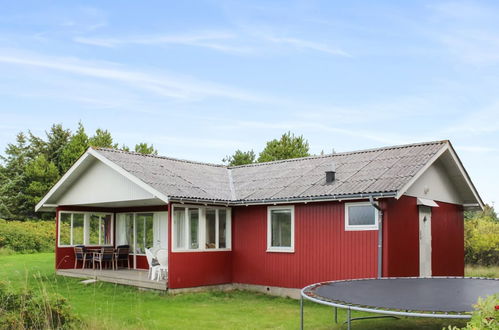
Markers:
141,231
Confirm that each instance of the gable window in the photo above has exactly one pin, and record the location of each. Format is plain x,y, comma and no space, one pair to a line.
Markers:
85,228
200,228
361,216
280,229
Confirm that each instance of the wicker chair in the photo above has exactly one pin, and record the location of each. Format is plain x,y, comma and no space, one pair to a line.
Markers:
106,255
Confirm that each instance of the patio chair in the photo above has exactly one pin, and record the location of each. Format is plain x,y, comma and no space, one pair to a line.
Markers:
153,265
162,257
82,255
122,254
106,255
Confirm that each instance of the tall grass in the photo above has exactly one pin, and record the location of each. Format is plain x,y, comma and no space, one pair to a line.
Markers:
482,271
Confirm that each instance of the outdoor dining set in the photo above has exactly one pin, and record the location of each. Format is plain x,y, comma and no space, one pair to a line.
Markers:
157,259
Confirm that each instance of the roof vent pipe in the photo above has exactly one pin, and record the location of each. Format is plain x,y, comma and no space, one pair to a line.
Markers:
331,174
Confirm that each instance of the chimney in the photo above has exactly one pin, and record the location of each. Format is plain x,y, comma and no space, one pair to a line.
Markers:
331,174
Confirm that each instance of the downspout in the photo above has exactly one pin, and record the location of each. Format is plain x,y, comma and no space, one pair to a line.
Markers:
380,236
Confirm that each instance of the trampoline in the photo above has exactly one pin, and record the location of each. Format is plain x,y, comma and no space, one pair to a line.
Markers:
435,297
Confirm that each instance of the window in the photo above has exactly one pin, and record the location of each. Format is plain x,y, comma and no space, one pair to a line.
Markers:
179,227
361,216
65,228
85,228
100,229
211,229
193,228
200,228
280,229
142,230
216,227
124,229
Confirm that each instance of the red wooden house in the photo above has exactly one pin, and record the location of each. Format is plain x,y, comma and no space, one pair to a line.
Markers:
276,226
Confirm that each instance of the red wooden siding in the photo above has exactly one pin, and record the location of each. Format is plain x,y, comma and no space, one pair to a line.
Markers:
401,237
447,241
191,269
323,249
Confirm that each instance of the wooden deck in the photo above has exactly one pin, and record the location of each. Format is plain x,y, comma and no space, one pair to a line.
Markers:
131,277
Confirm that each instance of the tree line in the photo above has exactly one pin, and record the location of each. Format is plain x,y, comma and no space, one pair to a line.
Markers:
32,165
287,147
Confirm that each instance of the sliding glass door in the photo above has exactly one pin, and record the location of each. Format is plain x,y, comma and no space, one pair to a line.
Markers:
141,231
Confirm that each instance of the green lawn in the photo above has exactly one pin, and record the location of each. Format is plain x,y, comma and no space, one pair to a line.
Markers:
111,306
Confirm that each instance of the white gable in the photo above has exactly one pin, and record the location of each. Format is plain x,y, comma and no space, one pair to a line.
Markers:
100,184
435,184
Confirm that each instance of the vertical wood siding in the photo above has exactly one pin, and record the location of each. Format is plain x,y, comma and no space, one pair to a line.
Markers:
323,249
447,241
401,237
191,269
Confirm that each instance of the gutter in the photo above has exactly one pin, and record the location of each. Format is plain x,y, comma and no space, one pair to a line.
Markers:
282,200
380,236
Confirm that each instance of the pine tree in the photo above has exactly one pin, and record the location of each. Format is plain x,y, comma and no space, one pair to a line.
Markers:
13,180
77,145
57,139
240,158
145,149
102,139
41,175
289,146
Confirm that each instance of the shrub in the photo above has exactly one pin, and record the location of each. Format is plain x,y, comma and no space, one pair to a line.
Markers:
482,238
27,236
30,310
485,316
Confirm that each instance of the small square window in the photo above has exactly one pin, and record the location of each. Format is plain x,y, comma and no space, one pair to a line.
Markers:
280,229
361,216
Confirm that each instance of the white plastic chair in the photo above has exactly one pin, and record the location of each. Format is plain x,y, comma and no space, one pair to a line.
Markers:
162,257
154,250
153,270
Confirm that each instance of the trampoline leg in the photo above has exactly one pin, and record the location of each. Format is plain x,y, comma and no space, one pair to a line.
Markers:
301,312
336,315
349,319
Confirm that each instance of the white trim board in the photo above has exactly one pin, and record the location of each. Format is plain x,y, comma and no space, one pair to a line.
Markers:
83,160
446,148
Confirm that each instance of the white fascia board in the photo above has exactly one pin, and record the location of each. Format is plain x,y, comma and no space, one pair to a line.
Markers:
129,176
466,176
62,180
406,187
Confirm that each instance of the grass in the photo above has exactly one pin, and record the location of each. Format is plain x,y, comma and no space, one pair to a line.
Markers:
482,271
111,306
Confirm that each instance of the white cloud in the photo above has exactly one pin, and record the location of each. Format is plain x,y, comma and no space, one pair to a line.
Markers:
181,88
308,45
213,40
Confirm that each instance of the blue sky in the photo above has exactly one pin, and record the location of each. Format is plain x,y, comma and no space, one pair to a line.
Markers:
200,79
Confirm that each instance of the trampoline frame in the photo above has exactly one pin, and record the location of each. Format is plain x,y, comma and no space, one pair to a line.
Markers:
385,312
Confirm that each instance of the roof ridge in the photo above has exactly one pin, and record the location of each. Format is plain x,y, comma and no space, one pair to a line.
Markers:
343,153
158,156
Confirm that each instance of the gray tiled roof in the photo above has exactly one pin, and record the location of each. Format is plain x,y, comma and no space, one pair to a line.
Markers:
361,172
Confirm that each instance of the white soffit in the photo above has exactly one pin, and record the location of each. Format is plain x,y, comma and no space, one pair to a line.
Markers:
427,202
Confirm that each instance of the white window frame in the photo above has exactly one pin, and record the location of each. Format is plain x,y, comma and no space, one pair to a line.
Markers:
285,249
86,220
349,227
201,228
